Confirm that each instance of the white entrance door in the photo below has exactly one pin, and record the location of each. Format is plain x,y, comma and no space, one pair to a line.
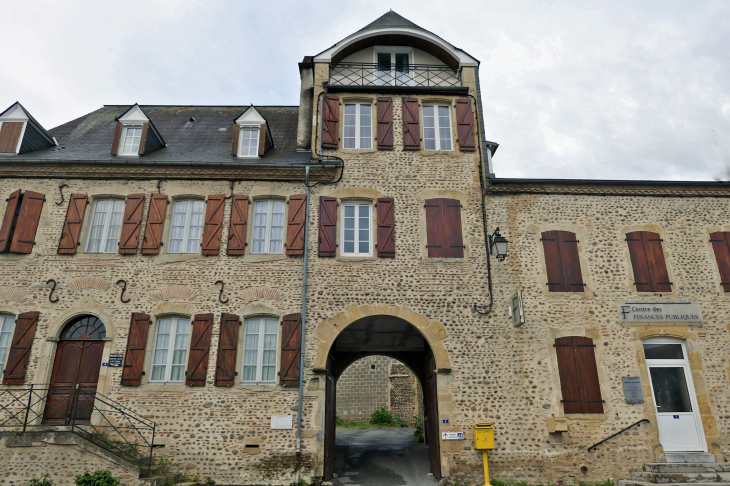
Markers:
677,413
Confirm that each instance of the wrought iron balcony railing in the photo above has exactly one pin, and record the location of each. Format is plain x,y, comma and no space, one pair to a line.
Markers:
403,75
82,411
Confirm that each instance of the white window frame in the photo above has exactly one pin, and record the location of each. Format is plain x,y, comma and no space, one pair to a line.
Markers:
186,227
106,225
252,128
356,205
260,349
403,79
437,127
6,320
171,349
267,227
123,139
358,125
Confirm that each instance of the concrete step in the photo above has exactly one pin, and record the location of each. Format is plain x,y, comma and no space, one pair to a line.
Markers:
681,477
678,467
632,482
692,457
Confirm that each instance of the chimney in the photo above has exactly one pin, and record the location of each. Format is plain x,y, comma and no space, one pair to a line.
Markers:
306,101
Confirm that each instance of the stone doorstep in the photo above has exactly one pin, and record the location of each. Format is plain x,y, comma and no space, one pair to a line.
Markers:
692,457
698,467
681,477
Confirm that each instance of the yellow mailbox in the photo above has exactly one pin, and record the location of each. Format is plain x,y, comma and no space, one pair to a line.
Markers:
484,436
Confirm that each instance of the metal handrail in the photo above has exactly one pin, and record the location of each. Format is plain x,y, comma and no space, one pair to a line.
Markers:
406,75
106,423
594,446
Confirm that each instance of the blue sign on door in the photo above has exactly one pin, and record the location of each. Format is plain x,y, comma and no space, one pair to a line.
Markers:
445,421
675,416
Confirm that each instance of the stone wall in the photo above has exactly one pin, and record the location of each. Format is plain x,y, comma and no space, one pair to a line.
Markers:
376,382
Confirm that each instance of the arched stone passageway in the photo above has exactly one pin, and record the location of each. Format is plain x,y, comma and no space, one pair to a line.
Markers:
366,331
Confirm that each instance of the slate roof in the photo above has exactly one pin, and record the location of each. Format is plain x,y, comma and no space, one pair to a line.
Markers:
391,19
206,140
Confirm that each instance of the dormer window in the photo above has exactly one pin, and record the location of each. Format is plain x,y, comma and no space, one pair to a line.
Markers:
131,135
251,135
249,146
20,133
135,134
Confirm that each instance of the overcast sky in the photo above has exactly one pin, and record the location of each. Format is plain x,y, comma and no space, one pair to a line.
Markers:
607,90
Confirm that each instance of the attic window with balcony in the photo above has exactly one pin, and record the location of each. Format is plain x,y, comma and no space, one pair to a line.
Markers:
135,134
393,66
251,135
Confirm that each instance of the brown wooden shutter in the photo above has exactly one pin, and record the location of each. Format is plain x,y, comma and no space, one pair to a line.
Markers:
465,125
647,261
721,244
213,224
9,137
117,137
578,375
19,353
562,261
199,350
553,263
291,330
386,227
236,133
330,121
27,224
130,224
385,123
435,241
136,344
143,138
327,238
225,370
568,371
72,225
590,388
295,225
452,228
262,140
9,220
411,124
237,226
155,221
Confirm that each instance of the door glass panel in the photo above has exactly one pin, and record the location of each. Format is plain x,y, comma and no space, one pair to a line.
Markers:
384,65
670,390
663,351
401,68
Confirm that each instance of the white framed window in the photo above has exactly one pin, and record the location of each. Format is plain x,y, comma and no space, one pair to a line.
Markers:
268,226
356,236
260,342
7,326
169,357
357,129
248,142
187,225
129,142
393,65
106,223
436,127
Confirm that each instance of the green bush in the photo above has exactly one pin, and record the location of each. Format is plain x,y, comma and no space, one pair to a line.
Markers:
380,417
338,420
98,478
44,480
418,437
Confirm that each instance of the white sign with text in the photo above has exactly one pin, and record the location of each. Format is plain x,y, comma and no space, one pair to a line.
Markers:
648,313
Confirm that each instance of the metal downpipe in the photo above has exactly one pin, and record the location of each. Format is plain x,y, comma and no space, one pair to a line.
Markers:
304,314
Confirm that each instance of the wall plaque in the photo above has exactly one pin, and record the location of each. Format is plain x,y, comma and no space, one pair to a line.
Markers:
632,389
452,435
653,313
281,422
115,360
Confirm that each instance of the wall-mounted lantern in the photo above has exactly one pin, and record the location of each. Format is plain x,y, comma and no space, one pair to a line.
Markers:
498,244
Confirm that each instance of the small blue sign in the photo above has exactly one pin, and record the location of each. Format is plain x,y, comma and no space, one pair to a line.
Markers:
105,364
445,421
460,435
675,416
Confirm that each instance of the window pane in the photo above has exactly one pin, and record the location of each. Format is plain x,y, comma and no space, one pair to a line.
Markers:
130,144
115,225
670,389
177,373
277,227
429,128
444,128
249,142
249,373
365,126
179,214
350,126
663,351
384,61
158,373
259,226
98,220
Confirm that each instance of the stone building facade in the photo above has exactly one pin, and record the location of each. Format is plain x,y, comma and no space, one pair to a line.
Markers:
376,382
194,320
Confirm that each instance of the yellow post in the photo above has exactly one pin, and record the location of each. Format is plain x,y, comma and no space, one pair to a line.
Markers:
486,468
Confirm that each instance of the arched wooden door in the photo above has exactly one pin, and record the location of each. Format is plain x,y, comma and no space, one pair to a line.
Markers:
77,362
